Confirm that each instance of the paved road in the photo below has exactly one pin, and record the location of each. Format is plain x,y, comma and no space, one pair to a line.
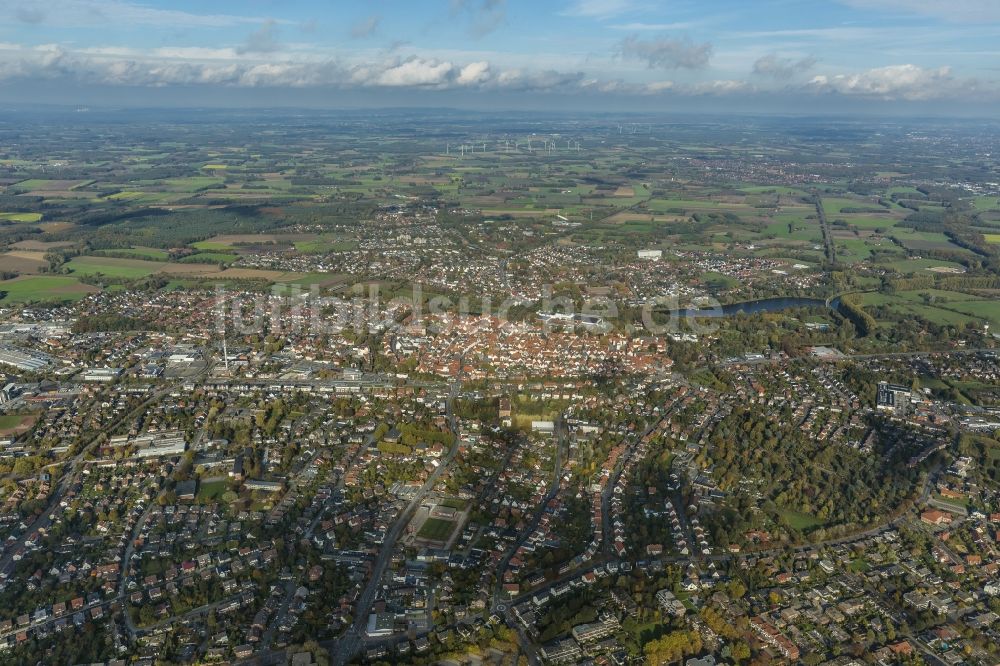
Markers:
558,438
351,644
71,468
347,647
856,357
607,528
123,574
831,251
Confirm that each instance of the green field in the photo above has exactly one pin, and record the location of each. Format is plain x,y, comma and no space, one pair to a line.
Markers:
33,184
43,288
800,521
135,196
321,246
833,205
11,421
209,258
993,238
21,217
911,303
211,245
921,265
665,205
109,267
151,253
988,309
191,184
866,221
436,529
212,491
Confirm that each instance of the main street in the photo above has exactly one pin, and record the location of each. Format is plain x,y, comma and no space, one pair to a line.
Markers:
351,643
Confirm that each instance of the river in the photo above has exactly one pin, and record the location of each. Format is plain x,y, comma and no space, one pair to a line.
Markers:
755,307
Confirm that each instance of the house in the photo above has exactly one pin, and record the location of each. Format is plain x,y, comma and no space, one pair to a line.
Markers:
186,490
670,603
935,517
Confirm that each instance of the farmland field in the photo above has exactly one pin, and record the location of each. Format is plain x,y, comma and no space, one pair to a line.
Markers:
23,261
43,288
150,253
112,267
21,217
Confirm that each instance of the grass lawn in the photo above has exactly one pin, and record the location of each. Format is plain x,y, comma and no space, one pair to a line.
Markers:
993,238
454,503
212,491
11,422
436,529
859,566
8,421
961,503
800,521
43,288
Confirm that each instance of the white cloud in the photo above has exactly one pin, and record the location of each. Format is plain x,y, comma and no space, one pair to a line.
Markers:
415,72
778,67
666,53
906,82
222,67
659,86
474,73
548,80
725,87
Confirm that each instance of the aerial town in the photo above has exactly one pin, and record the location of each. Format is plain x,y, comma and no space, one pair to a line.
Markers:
499,333
709,426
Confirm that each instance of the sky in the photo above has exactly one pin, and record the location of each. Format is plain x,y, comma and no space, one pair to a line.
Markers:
935,57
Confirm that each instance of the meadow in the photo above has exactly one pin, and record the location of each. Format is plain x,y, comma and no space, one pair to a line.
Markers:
43,288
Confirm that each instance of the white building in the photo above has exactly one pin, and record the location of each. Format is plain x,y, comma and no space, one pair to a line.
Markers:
669,603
